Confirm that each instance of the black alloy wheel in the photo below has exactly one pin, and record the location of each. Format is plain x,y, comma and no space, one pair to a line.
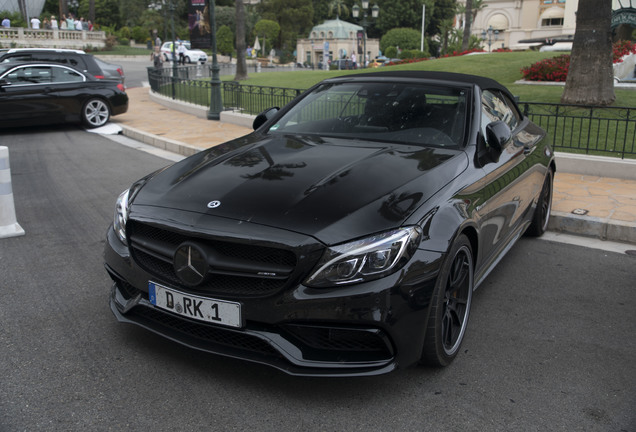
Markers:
450,307
541,216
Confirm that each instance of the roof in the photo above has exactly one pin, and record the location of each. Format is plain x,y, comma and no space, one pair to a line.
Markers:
339,29
482,82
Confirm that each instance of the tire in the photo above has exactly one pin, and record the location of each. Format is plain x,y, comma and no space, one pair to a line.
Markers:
187,60
541,216
95,113
450,305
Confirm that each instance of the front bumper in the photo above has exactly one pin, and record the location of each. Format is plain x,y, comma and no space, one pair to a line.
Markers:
367,329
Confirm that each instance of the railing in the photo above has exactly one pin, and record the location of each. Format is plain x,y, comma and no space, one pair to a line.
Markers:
20,37
604,131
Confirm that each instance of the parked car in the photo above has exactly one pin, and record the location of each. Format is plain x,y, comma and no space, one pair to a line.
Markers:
191,55
77,59
48,93
345,235
377,62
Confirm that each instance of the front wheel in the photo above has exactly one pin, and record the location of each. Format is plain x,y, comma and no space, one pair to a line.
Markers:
95,113
450,306
541,216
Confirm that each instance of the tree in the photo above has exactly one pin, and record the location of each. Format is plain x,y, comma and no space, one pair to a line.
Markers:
468,20
241,63
293,16
590,78
403,38
268,30
401,14
339,7
225,40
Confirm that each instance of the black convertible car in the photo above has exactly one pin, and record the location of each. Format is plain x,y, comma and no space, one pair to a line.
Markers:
39,93
345,235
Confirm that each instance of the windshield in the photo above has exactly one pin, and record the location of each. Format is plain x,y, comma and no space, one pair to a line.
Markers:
394,112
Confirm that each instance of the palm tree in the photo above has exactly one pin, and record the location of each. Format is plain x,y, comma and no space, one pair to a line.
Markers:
241,63
590,78
340,7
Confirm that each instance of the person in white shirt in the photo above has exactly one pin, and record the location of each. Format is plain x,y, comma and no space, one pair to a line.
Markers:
35,23
181,50
78,25
54,25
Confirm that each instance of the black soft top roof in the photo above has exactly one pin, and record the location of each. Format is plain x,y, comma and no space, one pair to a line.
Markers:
482,82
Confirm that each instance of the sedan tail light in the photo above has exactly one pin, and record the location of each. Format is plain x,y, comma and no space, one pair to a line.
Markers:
121,87
121,72
99,76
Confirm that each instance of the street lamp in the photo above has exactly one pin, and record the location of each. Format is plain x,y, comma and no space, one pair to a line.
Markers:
216,105
490,34
375,11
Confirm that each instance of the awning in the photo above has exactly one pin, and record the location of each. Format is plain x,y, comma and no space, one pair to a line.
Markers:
498,22
553,12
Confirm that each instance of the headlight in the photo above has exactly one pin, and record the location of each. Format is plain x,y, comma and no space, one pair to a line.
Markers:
121,215
367,259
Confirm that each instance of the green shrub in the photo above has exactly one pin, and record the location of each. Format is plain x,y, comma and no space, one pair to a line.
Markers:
402,38
391,52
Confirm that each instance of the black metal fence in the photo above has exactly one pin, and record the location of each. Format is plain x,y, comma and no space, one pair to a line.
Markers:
604,131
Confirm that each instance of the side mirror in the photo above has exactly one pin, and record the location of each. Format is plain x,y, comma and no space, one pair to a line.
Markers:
497,135
263,117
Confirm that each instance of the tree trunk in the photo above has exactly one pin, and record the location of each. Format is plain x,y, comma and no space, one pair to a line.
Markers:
590,78
241,64
468,14
91,11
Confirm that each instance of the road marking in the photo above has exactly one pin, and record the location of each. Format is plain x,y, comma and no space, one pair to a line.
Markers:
589,242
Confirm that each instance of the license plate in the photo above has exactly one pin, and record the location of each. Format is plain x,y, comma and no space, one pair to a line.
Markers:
200,308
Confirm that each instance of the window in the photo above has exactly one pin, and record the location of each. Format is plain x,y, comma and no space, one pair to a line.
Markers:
552,22
30,75
497,106
63,75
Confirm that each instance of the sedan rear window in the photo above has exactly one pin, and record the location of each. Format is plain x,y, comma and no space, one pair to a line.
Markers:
394,112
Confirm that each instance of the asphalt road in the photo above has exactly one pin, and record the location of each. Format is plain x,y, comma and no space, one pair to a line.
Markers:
550,345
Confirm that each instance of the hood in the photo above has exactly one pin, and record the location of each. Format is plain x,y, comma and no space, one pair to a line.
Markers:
330,189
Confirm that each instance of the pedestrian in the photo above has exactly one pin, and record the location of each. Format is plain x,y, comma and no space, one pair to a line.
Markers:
90,25
353,60
6,22
181,50
70,22
157,59
54,25
35,23
78,24
46,25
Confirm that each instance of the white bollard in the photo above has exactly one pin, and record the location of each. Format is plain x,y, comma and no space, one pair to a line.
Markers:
8,224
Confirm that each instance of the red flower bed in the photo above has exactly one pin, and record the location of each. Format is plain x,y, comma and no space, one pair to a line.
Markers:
550,69
556,68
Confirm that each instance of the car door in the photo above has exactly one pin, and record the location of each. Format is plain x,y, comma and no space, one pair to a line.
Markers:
509,190
27,93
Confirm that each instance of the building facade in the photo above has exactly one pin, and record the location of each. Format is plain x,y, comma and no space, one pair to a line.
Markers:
522,24
339,40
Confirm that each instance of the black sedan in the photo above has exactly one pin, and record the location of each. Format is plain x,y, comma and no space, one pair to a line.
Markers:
345,236
49,93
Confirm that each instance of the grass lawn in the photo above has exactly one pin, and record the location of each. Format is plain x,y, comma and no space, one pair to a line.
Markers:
503,67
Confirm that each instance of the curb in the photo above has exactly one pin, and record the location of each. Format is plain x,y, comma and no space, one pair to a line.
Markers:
588,226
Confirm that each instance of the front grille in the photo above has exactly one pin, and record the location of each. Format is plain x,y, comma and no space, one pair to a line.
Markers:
205,332
153,250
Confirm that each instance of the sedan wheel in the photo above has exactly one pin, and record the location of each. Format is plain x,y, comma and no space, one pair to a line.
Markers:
541,215
450,305
95,113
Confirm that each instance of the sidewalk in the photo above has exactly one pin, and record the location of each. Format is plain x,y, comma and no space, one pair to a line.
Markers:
600,207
